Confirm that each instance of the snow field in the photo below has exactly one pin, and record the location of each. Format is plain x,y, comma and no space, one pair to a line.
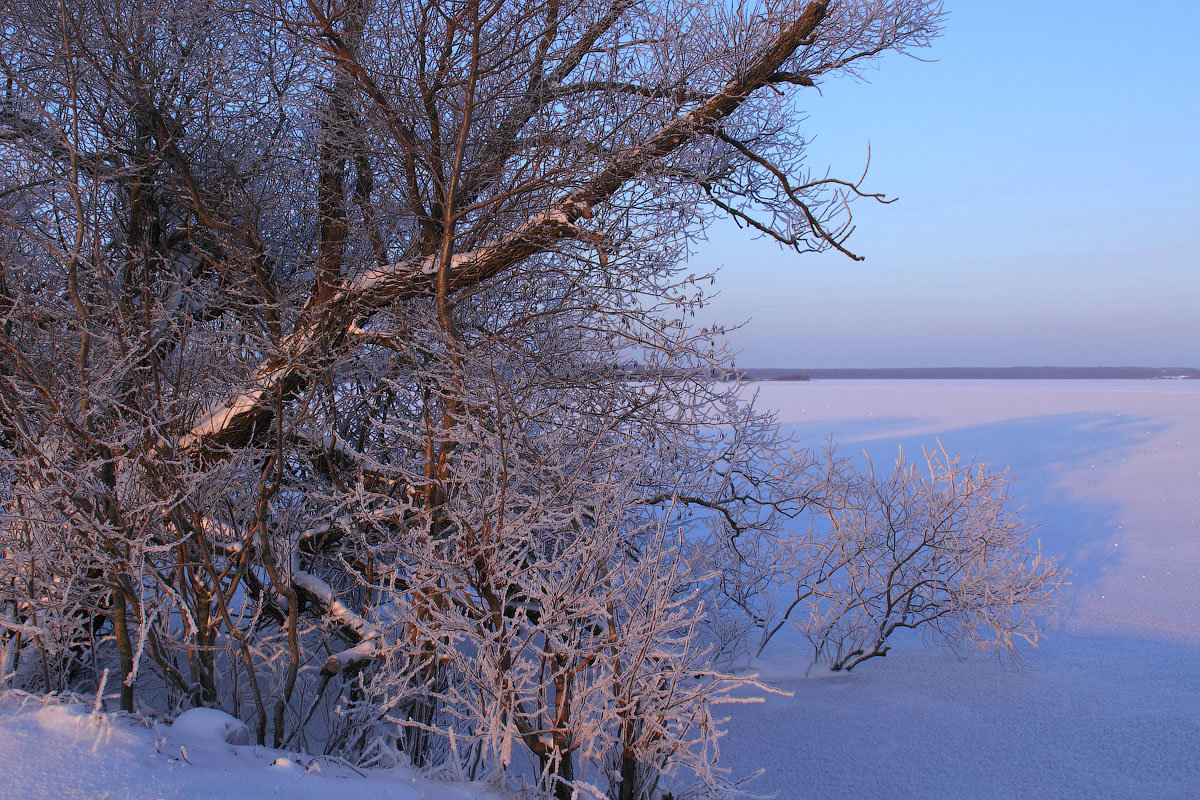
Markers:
1109,705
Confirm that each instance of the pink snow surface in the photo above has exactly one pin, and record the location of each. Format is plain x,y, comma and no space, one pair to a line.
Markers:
1109,705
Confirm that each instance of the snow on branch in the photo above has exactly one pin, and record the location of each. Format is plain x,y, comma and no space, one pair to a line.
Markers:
348,624
230,422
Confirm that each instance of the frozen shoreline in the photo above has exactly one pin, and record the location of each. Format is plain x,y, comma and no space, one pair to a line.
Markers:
972,373
1109,706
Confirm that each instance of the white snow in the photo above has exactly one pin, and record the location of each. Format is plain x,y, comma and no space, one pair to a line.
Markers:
209,727
1109,706
53,751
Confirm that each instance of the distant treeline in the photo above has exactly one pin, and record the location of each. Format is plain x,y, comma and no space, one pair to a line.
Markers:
972,373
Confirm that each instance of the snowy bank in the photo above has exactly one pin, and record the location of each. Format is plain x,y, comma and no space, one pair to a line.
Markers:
55,750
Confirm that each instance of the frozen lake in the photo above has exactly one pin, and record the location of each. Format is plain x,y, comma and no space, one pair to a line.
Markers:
1109,706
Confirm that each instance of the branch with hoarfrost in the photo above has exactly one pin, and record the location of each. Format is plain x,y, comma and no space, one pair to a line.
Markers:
349,625
232,422
932,547
315,592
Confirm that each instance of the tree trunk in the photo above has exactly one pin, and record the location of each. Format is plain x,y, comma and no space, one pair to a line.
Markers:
628,776
120,618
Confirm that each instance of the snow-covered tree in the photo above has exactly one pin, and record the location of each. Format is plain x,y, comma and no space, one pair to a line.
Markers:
345,377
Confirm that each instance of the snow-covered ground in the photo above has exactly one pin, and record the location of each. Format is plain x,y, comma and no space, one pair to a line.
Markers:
1109,706
59,751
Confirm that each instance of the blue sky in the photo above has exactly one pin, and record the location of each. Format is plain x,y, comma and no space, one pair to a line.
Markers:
1048,171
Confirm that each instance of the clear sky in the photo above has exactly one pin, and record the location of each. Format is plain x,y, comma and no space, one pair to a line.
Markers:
1048,170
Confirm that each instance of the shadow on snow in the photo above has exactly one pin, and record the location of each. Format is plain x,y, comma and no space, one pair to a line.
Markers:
1038,452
